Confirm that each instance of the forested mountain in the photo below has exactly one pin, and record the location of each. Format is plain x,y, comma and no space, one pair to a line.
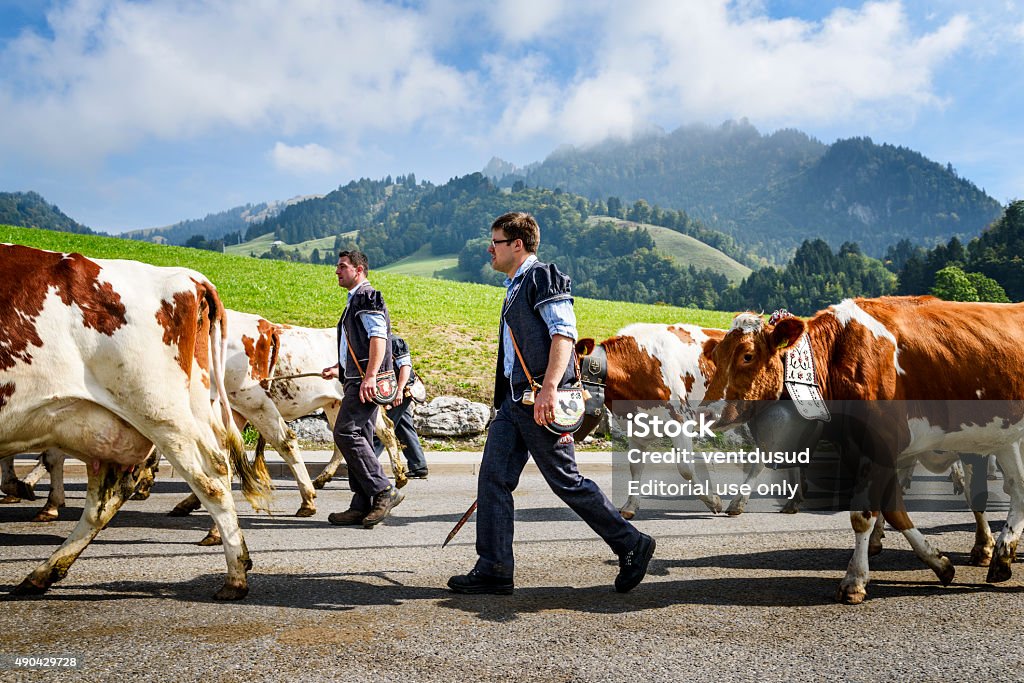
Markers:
814,278
998,254
230,225
772,192
354,206
30,210
395,218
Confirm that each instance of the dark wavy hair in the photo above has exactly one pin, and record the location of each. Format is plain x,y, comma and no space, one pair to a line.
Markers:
519,225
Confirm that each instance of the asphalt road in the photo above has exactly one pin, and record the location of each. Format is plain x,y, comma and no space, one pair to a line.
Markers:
727,599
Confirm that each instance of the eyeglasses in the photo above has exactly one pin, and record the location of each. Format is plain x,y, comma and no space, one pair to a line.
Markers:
495,243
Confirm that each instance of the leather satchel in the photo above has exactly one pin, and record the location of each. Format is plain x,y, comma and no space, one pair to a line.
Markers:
386,387
570,403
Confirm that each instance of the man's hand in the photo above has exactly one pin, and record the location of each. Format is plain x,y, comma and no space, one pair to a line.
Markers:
368,387
330,373
401,395
544,405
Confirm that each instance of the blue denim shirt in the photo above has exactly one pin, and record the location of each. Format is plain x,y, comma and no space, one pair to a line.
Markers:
559,316
374,324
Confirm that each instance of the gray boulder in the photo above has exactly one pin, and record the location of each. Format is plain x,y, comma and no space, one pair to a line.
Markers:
451,416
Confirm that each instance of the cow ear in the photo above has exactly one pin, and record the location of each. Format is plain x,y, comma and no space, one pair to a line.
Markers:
585,347
787,332
709,347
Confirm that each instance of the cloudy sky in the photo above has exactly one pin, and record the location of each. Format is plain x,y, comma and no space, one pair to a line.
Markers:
131,114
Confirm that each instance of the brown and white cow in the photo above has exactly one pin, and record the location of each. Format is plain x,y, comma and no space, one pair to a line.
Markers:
260,351
651,362
106,359
910,371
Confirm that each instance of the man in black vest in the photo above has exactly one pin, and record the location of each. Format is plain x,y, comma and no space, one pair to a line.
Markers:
538,312
363,351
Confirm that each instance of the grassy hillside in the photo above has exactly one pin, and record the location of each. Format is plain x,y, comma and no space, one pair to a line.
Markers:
260,245
686,250
423,263
451,326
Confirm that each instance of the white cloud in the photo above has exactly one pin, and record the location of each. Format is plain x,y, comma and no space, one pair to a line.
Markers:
710,60
357,75
116,72
311,158
518,21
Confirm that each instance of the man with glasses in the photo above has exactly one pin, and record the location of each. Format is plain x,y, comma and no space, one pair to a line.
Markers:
538,311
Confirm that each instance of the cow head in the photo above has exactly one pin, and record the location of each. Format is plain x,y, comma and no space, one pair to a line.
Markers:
748,364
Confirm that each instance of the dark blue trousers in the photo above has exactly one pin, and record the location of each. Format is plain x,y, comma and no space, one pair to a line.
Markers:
353,433
512,437
407,436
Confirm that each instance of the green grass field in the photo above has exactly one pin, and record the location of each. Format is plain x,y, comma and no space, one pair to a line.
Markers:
451,326
686,250
423,263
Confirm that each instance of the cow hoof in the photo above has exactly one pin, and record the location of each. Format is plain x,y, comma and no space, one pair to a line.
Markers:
790,509
981,556
306,511
735,508
849,595
9,500
140,495
874,549
231,593
45,515
714,504
211,538
734,513
179,511
999,570
320,482
627,514
25,491
946,572
27,587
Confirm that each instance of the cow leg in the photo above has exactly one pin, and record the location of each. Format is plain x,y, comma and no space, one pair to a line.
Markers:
796,478
147,476
976,491
214,493
738,504
1009,460
16,489
109,486
906,476
877,534
632,504
327,473
7,475
274,430
923,548
188,505
698,472
853,588
958,476
52,461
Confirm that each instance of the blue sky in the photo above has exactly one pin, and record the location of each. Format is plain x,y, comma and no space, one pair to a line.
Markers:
130,114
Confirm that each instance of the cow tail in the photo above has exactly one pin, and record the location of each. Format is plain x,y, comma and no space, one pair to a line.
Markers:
256,483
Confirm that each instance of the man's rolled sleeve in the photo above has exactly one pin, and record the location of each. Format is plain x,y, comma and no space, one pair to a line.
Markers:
374,324
560,318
